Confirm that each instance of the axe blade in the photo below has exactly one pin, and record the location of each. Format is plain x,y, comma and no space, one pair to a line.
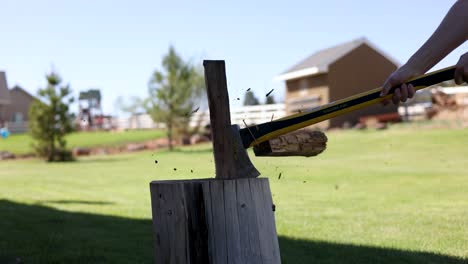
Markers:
242,163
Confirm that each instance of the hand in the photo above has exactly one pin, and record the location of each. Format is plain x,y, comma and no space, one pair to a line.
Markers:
397,78
461,70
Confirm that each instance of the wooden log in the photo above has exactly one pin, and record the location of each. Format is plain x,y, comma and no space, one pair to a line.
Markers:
305,143
214,221
231,159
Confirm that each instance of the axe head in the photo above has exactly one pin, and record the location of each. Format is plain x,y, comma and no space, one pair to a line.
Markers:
242,162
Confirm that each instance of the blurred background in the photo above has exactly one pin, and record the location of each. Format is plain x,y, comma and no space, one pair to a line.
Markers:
117,87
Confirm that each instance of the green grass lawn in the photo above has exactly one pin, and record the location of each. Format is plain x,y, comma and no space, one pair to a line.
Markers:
394,196
21,143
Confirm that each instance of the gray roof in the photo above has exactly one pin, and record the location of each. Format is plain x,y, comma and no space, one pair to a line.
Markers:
17,88
4,92
323,58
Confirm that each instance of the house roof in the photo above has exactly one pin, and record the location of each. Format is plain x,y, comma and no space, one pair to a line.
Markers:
4,93
319,61
19,89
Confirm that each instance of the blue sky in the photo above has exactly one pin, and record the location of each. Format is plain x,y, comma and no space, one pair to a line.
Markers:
116,45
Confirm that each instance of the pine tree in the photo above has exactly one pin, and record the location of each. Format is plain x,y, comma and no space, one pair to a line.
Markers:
250,99
270,100
173,94
50,120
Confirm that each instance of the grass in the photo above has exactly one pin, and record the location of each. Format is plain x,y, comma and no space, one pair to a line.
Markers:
394,196
21,143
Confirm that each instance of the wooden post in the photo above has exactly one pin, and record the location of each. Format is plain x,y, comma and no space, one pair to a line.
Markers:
227,219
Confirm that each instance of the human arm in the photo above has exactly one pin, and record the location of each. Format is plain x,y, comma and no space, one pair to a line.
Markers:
451,33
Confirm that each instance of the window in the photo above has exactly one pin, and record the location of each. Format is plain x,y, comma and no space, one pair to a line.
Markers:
17,117
303,86
304,103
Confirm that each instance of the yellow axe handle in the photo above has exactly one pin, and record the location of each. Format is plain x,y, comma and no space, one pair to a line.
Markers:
256,134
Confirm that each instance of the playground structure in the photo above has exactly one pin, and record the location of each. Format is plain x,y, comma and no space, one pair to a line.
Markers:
90,116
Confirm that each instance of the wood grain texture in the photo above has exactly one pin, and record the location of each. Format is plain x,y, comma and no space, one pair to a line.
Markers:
214,221
231,159
305,143
249,233
265,216
170,222
232,222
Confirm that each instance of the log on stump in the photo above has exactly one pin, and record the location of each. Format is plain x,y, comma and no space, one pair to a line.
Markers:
304,142
214,221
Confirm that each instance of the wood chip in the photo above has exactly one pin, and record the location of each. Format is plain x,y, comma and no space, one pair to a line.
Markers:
268,94
196,110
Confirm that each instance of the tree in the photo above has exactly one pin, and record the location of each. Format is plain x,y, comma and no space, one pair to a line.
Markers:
134,107
50,120
173,93
250,99
270,100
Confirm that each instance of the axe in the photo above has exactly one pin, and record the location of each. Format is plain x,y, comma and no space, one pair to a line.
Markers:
262,137
280,137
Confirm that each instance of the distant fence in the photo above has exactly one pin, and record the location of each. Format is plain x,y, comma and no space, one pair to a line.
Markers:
143,121
257,114
17,127
414,112
254,114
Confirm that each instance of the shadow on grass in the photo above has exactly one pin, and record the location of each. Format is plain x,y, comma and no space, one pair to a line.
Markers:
75,202
306,251
39,234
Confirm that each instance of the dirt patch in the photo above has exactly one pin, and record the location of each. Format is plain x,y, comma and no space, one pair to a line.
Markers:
161,143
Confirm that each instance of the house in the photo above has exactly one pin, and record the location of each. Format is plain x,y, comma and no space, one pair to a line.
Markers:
335,73
14,106
18,110
4,98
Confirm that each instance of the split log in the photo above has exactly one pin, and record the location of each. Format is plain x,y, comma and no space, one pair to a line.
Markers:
231,159
305,143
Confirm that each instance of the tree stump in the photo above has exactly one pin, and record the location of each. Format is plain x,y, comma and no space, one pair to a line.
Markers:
214,221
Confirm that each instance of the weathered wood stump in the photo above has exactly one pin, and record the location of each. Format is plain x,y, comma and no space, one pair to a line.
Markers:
214,221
